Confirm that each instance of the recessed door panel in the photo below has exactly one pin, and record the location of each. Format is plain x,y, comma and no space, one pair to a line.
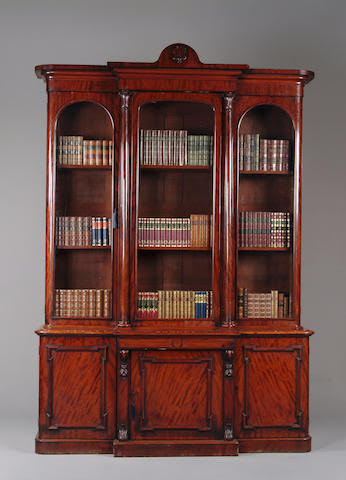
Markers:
78,396
272,394
176,394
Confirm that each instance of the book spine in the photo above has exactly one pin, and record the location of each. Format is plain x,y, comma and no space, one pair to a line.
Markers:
93,232
247,152
241,153
92,302
159,147
57,310
105,231
281,305
256,153
59,143
105,153
170,150
288,230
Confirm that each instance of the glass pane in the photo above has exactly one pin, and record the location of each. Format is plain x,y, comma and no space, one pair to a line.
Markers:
265,205
83,230
175,206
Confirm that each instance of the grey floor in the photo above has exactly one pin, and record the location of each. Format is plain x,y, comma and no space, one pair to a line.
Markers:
326,461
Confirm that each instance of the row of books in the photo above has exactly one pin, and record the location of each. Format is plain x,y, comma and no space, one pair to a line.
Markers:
74,150
174,304
174,232
274,304
257,154
175,147
83,231
83,303
264,229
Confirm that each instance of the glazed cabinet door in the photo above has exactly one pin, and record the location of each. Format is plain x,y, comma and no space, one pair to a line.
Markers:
175,209
81,209
176,394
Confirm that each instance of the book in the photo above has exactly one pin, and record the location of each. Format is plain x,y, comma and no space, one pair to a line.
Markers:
261,154
174,232
264,229
273,304
174,304
175,148
82,303
82,231
75,150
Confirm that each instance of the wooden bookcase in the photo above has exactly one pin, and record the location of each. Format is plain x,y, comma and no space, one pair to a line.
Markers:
172,320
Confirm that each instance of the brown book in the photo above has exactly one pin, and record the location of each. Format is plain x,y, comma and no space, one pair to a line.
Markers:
240,302
92,157
107,303
98,152
160,312
274,296
110,153
281,305
92,303
86,152
83,308
175,302
78,300
98,303
245,306
62,303
105,152
68,304
57,303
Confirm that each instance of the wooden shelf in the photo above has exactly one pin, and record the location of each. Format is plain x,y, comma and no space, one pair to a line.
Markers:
81,318
173,319
84,167
263,172
189,249
264,249
175,167
84,247
265,319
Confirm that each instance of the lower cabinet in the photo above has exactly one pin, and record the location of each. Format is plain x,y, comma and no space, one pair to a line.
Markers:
271,394
103,394
77,394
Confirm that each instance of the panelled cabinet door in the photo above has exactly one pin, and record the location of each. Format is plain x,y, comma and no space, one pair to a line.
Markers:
272,388
77,393
176,394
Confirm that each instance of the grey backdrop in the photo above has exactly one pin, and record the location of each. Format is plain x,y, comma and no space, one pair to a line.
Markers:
264,33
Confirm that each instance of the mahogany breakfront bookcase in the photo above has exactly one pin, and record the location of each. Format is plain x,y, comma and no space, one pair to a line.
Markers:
113,381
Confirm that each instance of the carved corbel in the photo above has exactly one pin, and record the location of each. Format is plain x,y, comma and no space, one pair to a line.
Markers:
228,366
124,363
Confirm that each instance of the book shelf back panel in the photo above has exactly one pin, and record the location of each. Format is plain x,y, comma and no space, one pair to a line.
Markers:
87,119
269,121
266,193
174,193
196,118
83,269
84,193
174,270
265,271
